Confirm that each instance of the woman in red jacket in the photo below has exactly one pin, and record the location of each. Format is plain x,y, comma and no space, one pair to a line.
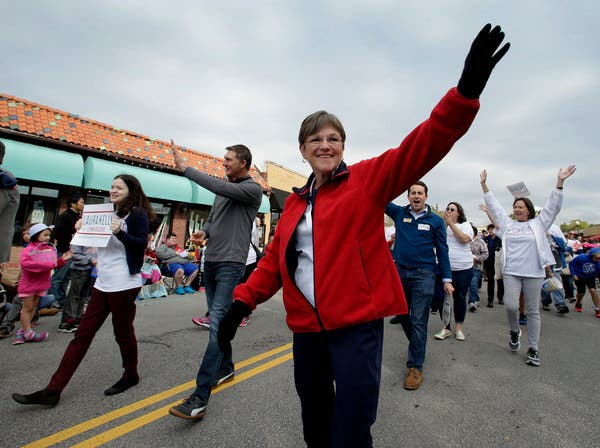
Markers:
330,256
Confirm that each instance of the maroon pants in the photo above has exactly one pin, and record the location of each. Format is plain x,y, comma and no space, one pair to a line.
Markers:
122,306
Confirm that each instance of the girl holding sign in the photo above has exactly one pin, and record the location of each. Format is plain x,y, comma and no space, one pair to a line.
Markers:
115,290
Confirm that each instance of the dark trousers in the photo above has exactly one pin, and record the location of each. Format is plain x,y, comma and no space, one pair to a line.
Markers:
490,272
122,306
341,415
73,307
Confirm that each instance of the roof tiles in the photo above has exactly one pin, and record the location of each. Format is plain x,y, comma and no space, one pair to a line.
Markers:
33,119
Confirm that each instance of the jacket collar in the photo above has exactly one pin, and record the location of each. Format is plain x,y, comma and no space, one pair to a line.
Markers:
339,173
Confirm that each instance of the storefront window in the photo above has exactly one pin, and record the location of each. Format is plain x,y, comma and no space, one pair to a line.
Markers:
37,204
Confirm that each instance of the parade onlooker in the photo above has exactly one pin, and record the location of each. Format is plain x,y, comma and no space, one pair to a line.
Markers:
9,204
553,290
459,234
114,292
566,277
494,244
63,234
330,256
37,261
479,250
526,253
585,268
420,249
179,263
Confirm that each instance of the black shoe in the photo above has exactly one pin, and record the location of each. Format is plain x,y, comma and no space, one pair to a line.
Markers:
562,309
224,378
44,396
122,385
490,305
193,408
396,319
472,307
68,326
533,357
500,302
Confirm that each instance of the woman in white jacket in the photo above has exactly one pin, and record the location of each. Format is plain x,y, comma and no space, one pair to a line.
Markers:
526,253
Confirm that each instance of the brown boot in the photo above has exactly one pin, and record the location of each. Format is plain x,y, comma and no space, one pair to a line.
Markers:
413,379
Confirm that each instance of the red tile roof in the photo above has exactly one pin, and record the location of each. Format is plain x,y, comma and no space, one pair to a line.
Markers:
25,117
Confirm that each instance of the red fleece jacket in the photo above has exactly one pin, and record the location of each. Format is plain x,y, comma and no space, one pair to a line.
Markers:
355,277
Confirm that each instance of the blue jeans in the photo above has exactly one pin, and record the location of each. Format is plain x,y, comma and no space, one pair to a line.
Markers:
221,278
474,287
418,285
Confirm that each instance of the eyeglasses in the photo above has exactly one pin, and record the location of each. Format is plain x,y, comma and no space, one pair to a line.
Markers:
333,140
449,209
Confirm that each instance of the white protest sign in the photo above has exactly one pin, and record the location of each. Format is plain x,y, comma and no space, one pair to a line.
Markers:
518,190
95,230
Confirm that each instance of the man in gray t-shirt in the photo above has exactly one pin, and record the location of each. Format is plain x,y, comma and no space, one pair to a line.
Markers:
228,229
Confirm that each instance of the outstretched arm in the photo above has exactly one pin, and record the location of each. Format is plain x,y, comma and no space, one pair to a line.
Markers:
564,174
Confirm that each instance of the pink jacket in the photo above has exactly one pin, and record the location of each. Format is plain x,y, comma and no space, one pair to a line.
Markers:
37,261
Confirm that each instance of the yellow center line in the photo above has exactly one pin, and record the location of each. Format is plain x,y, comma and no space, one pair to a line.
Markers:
136,423
125,410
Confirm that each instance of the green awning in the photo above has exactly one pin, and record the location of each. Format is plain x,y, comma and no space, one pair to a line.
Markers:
33,162
201,195
98,174
265,205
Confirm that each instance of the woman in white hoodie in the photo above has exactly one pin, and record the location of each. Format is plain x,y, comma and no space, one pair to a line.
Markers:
526,253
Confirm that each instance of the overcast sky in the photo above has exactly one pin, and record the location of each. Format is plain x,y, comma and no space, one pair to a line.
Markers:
212,74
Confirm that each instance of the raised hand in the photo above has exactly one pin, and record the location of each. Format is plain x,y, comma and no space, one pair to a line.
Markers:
481,60
177,157
564,173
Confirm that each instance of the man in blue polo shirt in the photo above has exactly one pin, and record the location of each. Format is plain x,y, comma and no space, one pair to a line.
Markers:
420,245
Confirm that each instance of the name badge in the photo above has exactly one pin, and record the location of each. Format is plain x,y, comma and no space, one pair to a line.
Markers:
423,227
407,220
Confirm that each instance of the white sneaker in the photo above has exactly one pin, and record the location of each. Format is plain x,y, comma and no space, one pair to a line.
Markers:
460,336
443,334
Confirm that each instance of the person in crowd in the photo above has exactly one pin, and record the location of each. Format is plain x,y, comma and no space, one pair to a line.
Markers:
63,234
114,292
179,264
549,293
585,268
526,253
494,244
82,263
479,250
330,256
459,236
37,261
152,284
566,277
229,227
420,246
9,204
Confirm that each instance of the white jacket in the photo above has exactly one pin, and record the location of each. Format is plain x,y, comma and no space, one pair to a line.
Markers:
538,225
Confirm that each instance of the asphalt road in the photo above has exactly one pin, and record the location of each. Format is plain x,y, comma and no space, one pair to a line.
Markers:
475,393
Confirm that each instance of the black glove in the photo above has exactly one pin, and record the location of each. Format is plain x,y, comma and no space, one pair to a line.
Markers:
481,60
230,322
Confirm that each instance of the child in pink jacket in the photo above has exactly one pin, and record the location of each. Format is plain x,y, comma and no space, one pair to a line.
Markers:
37,261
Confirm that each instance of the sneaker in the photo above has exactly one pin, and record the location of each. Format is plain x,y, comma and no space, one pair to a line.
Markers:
179,290
477,304
514,343
34,336
68,326
193,408
413,379
443,334
396,319
245,321
472,307
546,306
522,319
533,357
224,378
189,290
460,336
597,312
202,289
578,307
571,299
500,302
44,396
562,309
201,321
490,305
19,337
